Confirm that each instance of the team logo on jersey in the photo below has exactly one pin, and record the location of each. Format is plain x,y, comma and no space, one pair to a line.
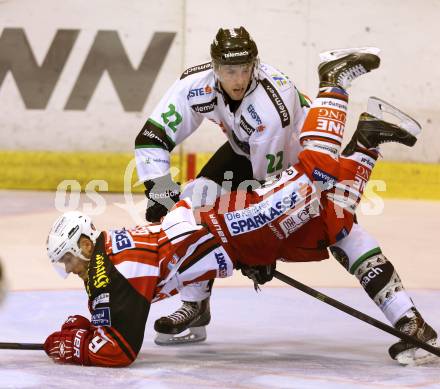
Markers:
281,80
205,107
246,126
101,317
196,69
199,92
277,101
121,240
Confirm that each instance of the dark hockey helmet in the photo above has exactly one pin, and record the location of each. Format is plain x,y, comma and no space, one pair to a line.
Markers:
233,46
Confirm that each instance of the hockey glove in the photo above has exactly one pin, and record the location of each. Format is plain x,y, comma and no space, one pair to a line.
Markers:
162,193
70,345
259,274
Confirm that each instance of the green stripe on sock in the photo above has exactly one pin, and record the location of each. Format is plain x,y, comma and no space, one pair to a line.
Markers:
364,257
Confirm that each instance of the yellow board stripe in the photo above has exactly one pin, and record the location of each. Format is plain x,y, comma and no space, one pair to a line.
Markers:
45,170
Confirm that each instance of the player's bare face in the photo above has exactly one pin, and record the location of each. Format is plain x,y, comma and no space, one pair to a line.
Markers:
75,265
235,79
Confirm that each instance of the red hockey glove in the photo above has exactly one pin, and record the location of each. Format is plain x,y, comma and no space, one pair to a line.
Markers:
76,322
70,345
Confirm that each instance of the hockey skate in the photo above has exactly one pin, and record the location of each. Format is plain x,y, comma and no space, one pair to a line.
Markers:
191,317
372,130
340,67
406,353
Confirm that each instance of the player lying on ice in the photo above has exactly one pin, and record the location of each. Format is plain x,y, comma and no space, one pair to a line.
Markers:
296,217
261,113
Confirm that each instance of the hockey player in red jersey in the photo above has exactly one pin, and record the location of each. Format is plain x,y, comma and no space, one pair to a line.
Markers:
124,271
310,206
261,112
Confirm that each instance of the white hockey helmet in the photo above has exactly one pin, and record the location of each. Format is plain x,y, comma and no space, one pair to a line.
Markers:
64,237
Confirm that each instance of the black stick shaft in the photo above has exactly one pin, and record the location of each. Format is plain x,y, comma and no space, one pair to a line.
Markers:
21,346
355,313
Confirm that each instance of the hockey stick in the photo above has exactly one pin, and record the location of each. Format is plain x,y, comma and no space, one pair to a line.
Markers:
21,346
355,313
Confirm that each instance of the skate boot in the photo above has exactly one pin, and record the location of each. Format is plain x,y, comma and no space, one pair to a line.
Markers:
191,316
406,353
373,131
340,67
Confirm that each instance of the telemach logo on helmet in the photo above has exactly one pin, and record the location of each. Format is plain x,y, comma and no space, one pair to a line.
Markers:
238,54
233,47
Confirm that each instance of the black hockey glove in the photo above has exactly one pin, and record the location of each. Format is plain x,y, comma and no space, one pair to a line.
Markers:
162,193
259,274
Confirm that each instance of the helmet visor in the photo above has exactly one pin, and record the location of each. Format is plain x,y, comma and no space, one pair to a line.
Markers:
228,73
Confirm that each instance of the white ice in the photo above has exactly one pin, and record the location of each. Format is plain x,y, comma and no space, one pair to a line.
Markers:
279,338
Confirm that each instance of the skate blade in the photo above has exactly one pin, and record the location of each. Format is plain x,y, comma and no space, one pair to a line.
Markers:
377,107
193,335
331,55
418,356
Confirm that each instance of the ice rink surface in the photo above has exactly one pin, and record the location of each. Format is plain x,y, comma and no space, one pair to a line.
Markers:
279,338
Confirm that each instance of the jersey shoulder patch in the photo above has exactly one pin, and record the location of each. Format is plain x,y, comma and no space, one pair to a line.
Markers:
121,240
281,81
196,69
277,101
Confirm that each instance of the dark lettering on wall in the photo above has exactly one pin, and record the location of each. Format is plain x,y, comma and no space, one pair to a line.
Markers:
107,54
35,83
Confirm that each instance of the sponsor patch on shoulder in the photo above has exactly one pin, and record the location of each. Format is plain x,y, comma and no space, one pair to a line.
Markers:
121,240
101,317
281,80
196,69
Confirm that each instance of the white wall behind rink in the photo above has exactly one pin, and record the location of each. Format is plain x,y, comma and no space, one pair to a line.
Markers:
290,34
406,230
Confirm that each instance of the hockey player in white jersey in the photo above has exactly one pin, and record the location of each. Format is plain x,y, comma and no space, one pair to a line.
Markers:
261,113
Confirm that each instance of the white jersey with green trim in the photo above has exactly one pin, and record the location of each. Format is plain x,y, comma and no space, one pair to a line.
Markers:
264,128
